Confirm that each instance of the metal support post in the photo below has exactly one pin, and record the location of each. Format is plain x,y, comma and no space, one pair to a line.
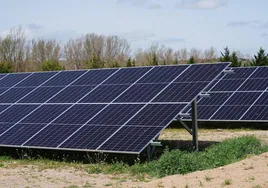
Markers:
194,126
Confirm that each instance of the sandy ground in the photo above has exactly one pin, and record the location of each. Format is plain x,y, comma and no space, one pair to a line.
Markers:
251,172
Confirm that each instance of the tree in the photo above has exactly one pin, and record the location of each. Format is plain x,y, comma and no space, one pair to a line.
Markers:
225,56
191,60
95,62
261,59
155,59
176,61
51,65
235,61
5,68
129,62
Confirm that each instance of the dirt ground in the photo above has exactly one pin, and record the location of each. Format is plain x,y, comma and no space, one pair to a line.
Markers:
251,172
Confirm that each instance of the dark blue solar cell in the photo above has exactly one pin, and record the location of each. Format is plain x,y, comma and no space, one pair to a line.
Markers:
64,78
127,75
211,85
256,113
2,90
3,107
116,114
131,139
20,133
52,135
156,114
180,92
240,73
4,127
230,112
71,94
41,95
141,93
243,98
89,137
2,76
201,72
104,93
36,79
163,74
13,79
14,94
205,112
45,114
263,100
16,112
261,72
228,85
94,77
254,85
79,114
215,99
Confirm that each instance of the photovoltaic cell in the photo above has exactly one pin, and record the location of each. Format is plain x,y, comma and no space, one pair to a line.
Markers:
45,113
126,139
116,114
20,133
16,113
104,93
4,127
14,94
79,114
228,85
51,136
230,112
156,115
261,72
254,85
256,113
127,76
163,74
199,73
94,77
214,99
36,79
41,95
180,92
96,135
240,73
12,79
64,78
71,94
243,98
263,100
141,93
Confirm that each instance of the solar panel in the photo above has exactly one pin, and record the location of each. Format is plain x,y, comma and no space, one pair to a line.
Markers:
106,110
240,96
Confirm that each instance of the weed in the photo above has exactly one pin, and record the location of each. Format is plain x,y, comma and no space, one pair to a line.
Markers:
251,178
73,186
227,182
256,186
2,165
200,183
108,184
207,178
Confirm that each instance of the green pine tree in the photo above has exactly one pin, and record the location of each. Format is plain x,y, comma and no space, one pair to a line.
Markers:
235,61
133,63
5,68
191,60
261,59
129,62
225,56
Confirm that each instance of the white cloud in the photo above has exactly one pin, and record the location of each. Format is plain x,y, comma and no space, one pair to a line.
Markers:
151,4
264,35
135,36
204,4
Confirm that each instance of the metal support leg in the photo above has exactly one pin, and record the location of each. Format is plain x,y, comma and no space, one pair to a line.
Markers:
151,148
194,126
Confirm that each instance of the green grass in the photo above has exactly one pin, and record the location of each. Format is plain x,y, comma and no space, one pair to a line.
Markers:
182,162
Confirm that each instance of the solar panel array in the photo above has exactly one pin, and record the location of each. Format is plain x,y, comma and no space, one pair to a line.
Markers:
106,110
240,96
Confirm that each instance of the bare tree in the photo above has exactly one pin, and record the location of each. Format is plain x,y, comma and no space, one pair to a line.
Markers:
196,54
74,53
210,54
182,55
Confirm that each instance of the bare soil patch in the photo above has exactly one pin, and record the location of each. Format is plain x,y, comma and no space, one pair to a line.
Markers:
251,172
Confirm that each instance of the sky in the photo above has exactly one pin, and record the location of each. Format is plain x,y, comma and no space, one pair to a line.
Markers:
239,24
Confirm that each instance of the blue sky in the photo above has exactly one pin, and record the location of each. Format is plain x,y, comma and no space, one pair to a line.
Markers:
240,24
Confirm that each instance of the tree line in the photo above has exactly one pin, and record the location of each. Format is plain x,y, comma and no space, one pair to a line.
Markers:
18,54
